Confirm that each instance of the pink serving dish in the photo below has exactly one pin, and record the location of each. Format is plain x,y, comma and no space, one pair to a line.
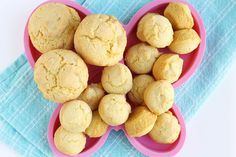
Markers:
143,144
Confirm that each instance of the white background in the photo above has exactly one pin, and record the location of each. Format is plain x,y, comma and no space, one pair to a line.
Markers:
211,133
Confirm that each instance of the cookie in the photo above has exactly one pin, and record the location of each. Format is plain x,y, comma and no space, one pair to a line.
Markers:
117,79
141,57
61,75
185,41
159,96
69,143
155,29
166,129
52,26
179,15
140,82
92,95
113,109
140,122
168,67
75,116
100,40
97,127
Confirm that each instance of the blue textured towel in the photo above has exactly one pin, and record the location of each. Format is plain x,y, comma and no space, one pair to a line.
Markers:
24,113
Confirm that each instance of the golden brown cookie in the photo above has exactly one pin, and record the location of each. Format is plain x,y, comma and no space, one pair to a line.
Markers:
52,26
140,122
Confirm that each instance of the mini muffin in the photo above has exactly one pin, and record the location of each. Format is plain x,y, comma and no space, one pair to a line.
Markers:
159,96
140,83
185,41
61,75
97,127
92,95
69,143
100,40
179,15
166,129
114,109
75,116
155,29
141,57
52,26
140,122
168,67
117,79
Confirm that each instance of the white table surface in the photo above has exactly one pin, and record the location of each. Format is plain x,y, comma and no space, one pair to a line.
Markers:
210,133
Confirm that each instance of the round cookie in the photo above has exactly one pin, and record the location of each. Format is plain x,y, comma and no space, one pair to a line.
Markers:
140,83
52,26
114,109
166,129
75,116
155,29
97,127
141,57
168,67
117,79
185,41
61,75
100,40
69,143
140,122
92,95
159,96
179,15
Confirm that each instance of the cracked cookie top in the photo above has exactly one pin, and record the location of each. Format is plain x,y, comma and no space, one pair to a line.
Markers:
100,40
61,75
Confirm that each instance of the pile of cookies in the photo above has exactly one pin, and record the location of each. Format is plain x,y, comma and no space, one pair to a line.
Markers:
61,73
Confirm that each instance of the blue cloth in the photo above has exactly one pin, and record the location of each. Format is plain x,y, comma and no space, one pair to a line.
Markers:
24,113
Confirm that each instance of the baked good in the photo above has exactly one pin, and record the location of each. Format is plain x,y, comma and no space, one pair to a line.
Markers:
92,95
155,29
69,143
168,67
52,26
141,57
140,122
114,109
117,79
75,116
140,82
179,15
166,129
100,40
185,41
61,75
159,96
97,127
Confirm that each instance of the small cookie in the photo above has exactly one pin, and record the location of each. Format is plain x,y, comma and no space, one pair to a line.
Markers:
166,129
114,109
185,41
75,116
117,79
159,96
97,127
179,15
61,75
100,40
140,83
52,26
69,143
155,29
92,95
168,67
140,122
141,57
